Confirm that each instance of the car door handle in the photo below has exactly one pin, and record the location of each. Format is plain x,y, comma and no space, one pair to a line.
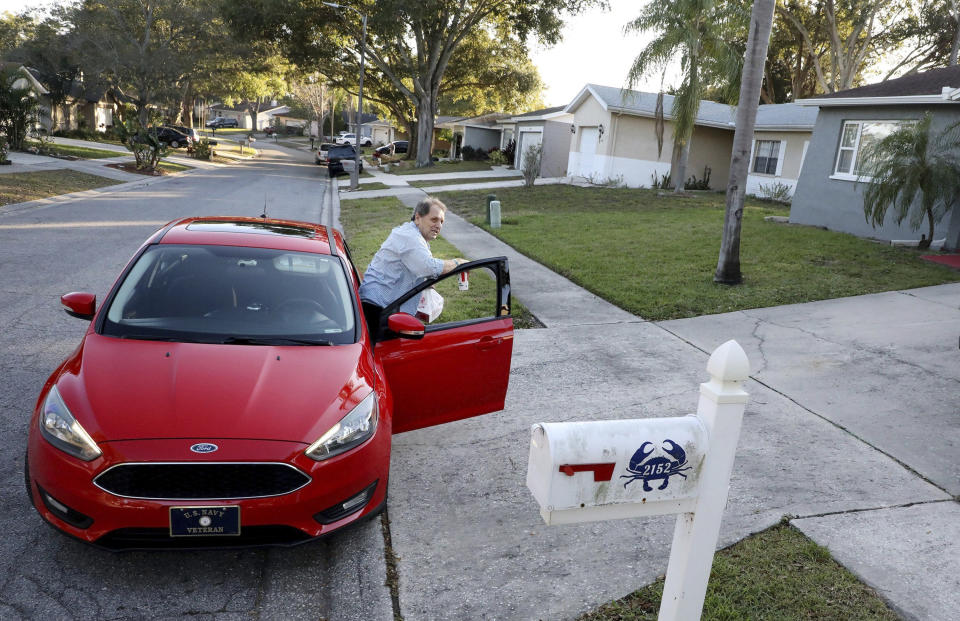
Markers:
488,342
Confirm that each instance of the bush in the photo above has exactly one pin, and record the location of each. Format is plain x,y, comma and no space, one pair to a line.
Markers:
531,164
778,192
662,183
468,153
699,184
144,144
510,151
19,110
497,157
203,150
4,150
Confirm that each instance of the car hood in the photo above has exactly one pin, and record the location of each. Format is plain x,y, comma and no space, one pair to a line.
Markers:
121,389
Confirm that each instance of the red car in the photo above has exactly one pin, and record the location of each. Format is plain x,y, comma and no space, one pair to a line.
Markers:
229,392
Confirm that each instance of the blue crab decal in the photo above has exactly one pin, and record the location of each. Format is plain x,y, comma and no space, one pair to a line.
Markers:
647,469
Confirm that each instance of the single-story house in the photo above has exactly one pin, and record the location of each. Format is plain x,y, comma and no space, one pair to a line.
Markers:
828,193
90,107
614,139
481,132
241,113
382,131
781,135
551,129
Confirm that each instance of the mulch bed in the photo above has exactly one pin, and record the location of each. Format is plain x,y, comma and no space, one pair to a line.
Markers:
132,168
950,260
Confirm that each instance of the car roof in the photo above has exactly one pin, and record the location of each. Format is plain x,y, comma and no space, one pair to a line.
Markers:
252,232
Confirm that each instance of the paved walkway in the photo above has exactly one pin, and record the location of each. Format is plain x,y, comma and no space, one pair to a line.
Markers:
851,430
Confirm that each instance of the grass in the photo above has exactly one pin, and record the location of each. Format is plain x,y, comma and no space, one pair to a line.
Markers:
80,152
655,256
775,574
22,187
407,167
368,222
173,166
373,185
438,182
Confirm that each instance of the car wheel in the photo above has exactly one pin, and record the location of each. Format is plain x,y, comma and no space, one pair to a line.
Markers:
175,144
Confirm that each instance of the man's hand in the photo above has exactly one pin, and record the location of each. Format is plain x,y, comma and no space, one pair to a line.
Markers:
451,264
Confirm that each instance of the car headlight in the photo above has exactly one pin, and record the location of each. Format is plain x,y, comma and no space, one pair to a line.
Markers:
62,430
353,430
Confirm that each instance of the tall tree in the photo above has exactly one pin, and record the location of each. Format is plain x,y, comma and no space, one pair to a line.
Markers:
858,33
915,172
410,43
761,22
694,30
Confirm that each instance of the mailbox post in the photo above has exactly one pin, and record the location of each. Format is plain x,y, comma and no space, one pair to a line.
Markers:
601,470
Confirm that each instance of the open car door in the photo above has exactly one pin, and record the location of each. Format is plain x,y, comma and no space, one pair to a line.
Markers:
458,368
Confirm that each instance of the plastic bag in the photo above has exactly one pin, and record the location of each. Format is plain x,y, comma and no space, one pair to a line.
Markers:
430,305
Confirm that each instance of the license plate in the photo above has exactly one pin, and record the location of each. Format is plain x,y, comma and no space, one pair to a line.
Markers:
204,521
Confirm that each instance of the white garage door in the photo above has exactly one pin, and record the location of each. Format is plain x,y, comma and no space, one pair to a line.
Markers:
527,140
588,148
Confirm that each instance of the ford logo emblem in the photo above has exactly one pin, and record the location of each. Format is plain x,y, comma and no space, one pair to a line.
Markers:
204,447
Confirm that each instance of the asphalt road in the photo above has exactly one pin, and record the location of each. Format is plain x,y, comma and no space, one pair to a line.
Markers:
81,245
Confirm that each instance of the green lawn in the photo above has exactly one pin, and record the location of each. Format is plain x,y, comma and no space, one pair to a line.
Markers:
776,574
81,152
367,223
406,167
439,182
655,256
372,185
22,187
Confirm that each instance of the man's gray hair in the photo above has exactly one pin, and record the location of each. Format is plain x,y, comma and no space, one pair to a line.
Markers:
423,207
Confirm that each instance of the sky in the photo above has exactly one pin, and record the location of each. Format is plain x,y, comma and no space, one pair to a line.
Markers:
594,49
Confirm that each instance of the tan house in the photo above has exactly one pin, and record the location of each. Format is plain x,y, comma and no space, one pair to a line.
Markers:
550,129
614,140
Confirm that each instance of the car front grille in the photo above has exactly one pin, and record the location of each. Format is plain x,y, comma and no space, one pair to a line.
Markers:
159,538
201,481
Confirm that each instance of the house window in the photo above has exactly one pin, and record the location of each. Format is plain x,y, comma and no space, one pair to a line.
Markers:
855,138
765,157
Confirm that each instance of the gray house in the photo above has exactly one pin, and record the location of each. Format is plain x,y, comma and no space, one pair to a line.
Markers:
549,128
828,193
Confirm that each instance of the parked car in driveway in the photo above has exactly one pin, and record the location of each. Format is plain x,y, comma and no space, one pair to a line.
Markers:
191,132
366,141
397,146
171,137
322,153
340,152
229,392
222,121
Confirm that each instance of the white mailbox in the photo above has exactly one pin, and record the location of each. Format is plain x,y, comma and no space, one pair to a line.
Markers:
605,470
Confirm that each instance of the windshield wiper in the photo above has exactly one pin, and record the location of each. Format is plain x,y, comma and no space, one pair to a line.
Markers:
272,340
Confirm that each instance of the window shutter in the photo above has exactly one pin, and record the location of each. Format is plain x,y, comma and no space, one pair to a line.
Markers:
781,156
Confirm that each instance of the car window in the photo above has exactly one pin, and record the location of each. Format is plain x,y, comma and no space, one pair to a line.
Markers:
222,294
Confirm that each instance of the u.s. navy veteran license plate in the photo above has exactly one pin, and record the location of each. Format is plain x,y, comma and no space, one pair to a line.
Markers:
204,521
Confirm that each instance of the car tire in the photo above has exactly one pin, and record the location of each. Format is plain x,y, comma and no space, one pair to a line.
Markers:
175,144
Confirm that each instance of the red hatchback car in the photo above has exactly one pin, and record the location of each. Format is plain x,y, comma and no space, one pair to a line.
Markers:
228,391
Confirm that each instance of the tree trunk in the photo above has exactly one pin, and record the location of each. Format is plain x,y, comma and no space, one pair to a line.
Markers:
956,36
680,180
679,175
761,23
925,243
424,134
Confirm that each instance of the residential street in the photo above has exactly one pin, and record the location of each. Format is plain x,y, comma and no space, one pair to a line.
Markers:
851,429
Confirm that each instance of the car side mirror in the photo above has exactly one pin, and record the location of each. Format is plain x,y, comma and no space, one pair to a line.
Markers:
79,305
406,326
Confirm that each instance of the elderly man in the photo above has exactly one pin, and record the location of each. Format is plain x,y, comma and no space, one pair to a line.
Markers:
403,261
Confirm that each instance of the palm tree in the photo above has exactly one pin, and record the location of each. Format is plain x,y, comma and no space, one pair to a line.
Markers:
916,173
697,30
761,23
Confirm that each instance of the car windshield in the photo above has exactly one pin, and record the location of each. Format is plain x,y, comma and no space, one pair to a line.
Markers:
235,295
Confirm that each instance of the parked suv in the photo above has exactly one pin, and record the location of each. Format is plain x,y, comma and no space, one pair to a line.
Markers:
222,121
171,136
191,133
366,141
322,151
336,154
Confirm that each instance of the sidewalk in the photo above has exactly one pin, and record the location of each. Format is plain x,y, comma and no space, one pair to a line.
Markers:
851,430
